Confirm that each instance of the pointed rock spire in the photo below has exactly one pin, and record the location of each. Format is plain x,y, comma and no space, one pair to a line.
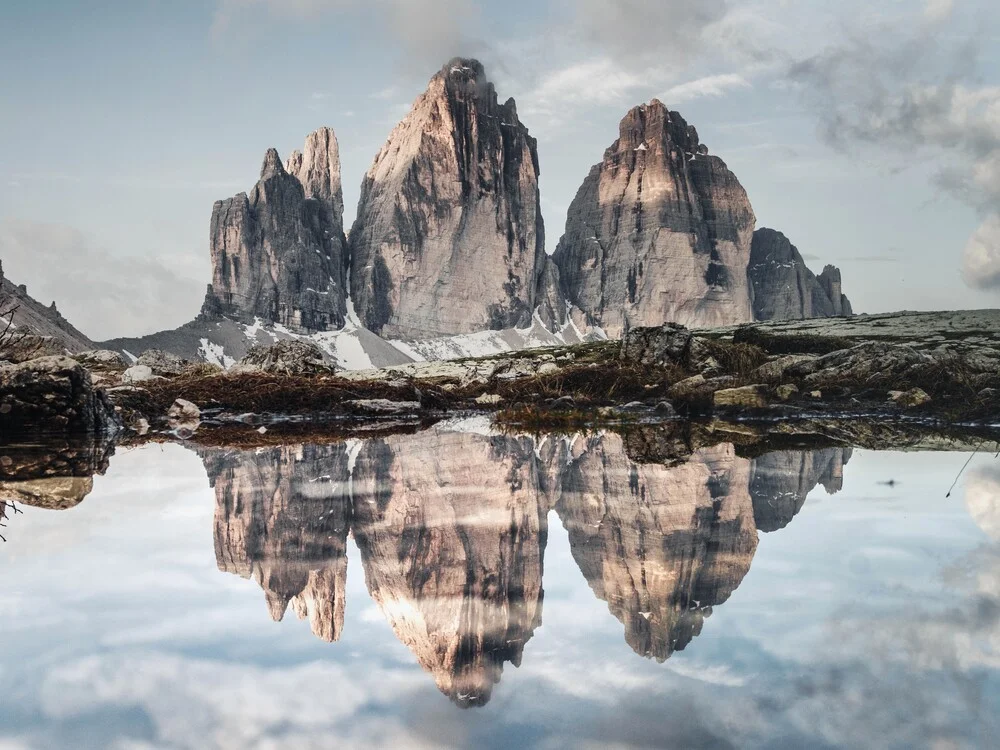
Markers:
449,237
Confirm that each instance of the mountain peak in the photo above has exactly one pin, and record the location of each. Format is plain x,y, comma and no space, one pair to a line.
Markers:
272,166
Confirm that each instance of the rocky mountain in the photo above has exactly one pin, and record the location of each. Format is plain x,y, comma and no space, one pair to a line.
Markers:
449,237
659,232
785,289
33,317
278,254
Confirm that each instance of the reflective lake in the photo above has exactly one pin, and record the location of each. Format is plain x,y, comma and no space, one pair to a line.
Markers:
458,588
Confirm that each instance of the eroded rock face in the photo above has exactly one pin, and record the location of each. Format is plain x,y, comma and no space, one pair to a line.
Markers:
279,253
661,545
452,530
53,395
785,289
659,232
282,517
449,237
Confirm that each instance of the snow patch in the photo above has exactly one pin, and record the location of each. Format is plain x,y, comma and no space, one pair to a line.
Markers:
215,354
130,355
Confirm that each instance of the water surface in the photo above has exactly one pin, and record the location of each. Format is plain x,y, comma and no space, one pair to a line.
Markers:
459,588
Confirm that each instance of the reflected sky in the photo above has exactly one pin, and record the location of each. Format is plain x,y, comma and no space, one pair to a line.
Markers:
643,603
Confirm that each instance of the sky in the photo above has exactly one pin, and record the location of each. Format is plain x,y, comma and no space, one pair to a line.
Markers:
868,133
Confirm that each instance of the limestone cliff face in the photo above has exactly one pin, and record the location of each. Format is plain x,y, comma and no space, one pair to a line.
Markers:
452,531
785,289
780,482
659,232
661,545
282,517
278,254
449,237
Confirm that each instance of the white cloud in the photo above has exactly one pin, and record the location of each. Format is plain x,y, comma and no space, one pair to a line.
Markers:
938,10
981,260
982,495
710,86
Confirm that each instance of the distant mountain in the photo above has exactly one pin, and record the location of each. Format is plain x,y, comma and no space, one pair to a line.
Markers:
785,289
33,317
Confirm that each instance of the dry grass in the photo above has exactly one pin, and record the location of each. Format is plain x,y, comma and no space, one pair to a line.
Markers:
802,343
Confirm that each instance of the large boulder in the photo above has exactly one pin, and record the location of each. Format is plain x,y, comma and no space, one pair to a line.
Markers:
164,364
23,348
288,357
53,394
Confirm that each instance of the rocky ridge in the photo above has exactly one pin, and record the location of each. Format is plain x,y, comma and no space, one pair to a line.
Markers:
783,286
32,317
278,254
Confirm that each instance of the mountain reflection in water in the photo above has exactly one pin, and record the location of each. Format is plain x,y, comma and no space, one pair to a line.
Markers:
452,527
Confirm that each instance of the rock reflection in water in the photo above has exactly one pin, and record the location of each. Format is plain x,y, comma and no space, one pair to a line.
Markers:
452,526
282,516
56,475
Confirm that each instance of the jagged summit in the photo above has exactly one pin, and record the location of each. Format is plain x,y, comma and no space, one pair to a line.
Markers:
278,254
449,237
659,232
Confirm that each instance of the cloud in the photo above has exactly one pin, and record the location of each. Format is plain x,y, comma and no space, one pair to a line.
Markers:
982,498
650,31
710,86
428,29
103,295
917,100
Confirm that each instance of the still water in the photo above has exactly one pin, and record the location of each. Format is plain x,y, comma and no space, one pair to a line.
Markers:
457,588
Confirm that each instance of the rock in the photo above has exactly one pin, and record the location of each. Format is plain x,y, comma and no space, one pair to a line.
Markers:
449,237
660,231
665,409
687,386
102,359
288,357
861,363
988,394
381,406
775,369
816,394
911,398
23,348
138,374
566,402
278,255
633,406
489,399
548,368
668,344
53,394
749,397
162,363
784,288
184,415
785,392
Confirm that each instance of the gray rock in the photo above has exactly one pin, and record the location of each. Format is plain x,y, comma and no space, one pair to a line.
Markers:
784,288
102,359
162,363
775,369
449,237
53,394
660,231
25,347
749,397
184,415
279,253
381,406
138,374
911,398
861,363
289,357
